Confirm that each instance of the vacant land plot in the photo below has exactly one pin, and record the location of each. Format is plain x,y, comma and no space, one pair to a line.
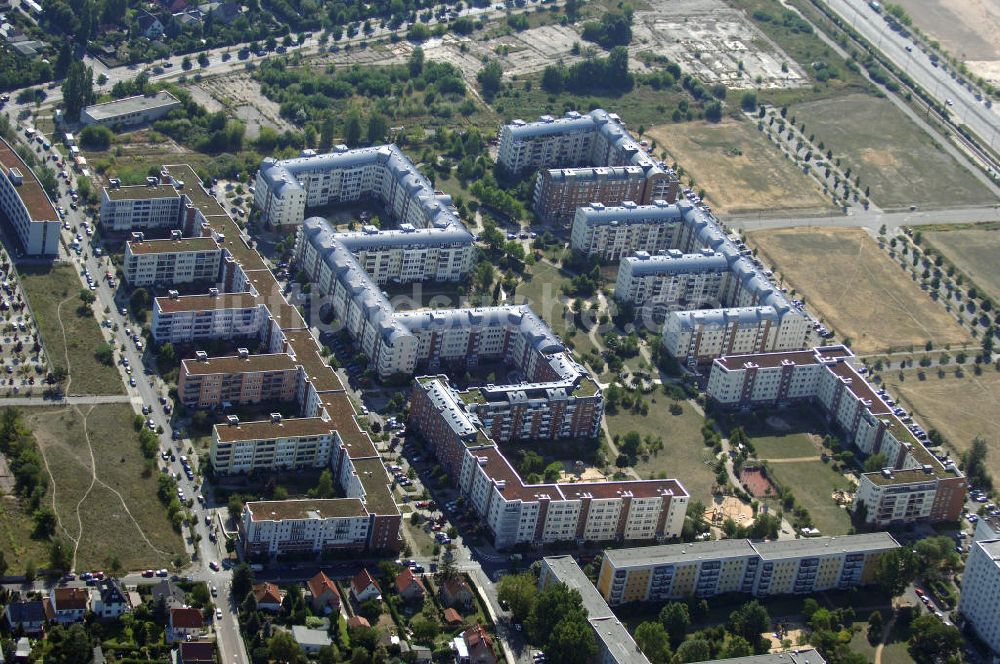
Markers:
70,339
850,283
813,484
968,29
737,166
684,456
105,502
933,401
893,156
974,251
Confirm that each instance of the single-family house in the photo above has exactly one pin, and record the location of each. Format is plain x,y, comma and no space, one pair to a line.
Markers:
409,586
268,597
325,598
184,622
169,593
109,599
456,593
30,615
69,604
150,26
479,645
452,617
356,622
310,640
194,652
420,654
364,587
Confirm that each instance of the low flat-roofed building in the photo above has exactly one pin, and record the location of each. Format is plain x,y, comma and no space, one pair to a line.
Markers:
27,206
130,111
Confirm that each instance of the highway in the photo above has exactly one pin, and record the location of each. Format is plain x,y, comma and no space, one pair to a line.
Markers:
941,83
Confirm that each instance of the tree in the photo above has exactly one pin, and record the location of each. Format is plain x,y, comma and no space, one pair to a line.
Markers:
490,78
283,649
518,591
30,570
552,604
875,626
324,486
377,127
69,645
96,137
695,650
738,647
60,555
352,128
896,570
571,641
77,89
654,642
974,463
932,641
749,101
3,564
45,522
416,62
713,112
750,621
676,619
875,462
937,554
242,582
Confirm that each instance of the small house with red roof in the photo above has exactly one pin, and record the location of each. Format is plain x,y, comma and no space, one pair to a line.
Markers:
325,598
409,586
184,622
268,596
364,587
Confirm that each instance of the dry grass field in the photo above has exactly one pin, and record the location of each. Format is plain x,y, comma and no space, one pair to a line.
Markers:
935,402
737,166
974,251
901,164
856,288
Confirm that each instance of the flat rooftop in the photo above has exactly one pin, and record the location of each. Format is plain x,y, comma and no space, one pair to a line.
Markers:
141,192
170,305
772,360
32,194
804,656
169,246
113,109
232,364
266,429
307,355
357,443
667,554
375,480
281,510
193,189
269,292
823,546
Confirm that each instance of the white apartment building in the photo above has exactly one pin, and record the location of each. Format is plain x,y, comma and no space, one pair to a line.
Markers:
174,261
695,337
271,528
410,255
27,206
278,444
673,280
914,485
707,569
140,207
519,513
980,588
612,232
201,317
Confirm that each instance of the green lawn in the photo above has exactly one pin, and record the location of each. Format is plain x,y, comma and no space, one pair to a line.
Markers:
895,651
784,446
813,483
53,296
421,538
16,542
102,495
684,455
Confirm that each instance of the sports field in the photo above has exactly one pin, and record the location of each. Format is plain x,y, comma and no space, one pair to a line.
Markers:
934,401
738,168
892,155
974,251
856,288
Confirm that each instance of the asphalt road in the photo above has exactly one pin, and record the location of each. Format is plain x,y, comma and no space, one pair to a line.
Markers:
917,64
859,218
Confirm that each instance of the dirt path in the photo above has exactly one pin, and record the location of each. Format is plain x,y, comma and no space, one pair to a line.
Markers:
886,633
792,459
62,329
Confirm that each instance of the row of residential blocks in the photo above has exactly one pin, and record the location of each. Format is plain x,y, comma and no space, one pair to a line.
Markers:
913,486
615,644
248,303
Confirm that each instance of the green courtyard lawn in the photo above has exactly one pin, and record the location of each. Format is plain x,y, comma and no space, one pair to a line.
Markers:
813,484
684,456
790,445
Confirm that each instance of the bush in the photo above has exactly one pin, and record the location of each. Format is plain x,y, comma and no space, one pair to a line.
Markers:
96,137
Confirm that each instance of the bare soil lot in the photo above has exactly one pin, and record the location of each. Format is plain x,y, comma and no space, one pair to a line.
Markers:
854,286
935,402
968,29
893,156
737,166
974,251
